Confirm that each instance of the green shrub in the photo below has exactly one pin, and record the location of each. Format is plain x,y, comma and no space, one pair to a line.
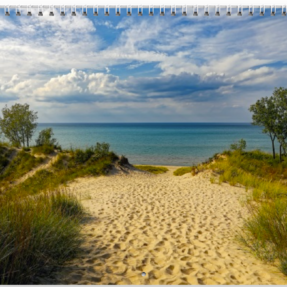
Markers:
44,149
151,168
182,170
240,145
22,163
101,149
81,156
37,234
25,148
46,138
265,231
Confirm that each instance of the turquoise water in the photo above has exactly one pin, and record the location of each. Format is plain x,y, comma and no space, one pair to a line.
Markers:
161,143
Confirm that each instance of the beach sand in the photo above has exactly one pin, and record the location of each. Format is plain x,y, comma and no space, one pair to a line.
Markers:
178,230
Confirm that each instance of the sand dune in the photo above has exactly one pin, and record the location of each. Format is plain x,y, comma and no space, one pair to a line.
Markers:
178,230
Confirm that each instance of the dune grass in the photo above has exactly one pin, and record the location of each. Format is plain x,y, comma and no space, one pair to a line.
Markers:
265,231
182,170
44,149
64,170
5,153
22,163
37,234
152,169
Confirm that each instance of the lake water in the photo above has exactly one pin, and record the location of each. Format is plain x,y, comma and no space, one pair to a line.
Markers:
181,144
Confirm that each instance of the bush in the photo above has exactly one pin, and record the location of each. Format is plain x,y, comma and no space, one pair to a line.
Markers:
101,149
46,138
37,234
240,145
83,156
25,148
21,164
182,170
265,231
152,169
44,149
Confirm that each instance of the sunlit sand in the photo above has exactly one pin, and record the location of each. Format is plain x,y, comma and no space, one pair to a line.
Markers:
178,230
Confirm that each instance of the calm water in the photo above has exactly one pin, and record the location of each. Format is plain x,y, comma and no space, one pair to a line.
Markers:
161,143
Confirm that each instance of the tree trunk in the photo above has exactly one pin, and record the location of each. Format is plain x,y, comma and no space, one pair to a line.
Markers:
280,156
273,147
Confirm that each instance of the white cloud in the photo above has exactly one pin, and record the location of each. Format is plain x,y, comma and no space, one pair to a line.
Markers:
63,58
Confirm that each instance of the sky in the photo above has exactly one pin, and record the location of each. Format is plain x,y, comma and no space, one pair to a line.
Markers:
141,69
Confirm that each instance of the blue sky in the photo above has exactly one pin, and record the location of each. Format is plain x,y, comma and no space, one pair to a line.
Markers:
141,69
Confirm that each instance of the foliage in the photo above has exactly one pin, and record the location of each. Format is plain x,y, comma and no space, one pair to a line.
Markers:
280,100
5,153
45,137
182,170
39,225
65,169
18,124
265,231
81,156
37,234
151,168
22,163
271,114
44,149
240,145
101,149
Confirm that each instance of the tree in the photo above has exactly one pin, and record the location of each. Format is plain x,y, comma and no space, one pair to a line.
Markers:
280,99
240,145
46,138
18,124
265,114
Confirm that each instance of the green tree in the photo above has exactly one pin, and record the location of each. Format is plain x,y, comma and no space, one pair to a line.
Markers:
46,138
280,99
18,124
265,114
240,145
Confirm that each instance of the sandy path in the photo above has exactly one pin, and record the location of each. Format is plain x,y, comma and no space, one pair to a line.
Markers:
50,159
179,230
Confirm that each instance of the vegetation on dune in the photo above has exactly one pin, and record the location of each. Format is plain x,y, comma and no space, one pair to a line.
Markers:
18,124
270,113
265,231
22,163
5,154
37,234
182,170
40,232
77,163
44,149
152,169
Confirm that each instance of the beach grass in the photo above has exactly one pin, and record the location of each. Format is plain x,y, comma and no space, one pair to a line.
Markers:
37,234
39,222
265,230
182,170
64,170
44,149
22,163
152,169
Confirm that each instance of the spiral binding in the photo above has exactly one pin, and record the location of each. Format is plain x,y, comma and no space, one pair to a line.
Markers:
173,9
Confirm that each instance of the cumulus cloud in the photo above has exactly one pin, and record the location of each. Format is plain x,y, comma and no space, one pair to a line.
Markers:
182,60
